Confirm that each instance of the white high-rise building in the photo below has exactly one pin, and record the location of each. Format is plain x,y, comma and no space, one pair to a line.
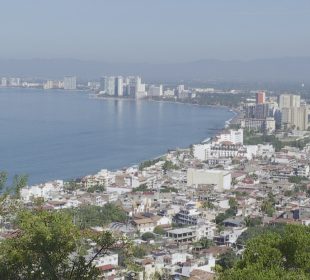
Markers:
15,82
119,86
132,86
288,101
295,117
48,85
110,86
135,88
4,82
107,85
70,83
293,114
180,88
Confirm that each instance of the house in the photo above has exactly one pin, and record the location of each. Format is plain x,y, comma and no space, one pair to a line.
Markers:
144,225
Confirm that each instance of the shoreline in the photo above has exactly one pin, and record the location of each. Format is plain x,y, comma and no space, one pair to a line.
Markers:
134,164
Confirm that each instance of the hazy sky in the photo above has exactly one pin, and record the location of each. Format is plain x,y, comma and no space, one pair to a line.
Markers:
154,30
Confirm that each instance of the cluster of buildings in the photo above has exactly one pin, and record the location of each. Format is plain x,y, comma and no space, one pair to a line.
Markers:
133,87
186,200
179,207
116,86
68,83
294,114
288,112
12,82
119,86
261,115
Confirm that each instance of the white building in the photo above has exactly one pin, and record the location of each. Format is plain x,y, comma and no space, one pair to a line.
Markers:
155,91
169,93
70,83
233,136
48,84
216,151
45,191
15,82
288,101
119,86
4,82
220,178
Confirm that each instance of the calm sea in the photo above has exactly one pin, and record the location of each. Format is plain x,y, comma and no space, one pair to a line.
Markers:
59,134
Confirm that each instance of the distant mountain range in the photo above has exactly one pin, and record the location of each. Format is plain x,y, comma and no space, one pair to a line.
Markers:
260,70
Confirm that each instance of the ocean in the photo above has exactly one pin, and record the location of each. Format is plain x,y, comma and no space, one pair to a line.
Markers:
57,134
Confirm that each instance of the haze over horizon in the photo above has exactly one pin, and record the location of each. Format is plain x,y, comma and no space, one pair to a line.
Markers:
174,31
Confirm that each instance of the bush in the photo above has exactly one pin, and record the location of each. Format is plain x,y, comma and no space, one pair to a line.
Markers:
159,230
147,236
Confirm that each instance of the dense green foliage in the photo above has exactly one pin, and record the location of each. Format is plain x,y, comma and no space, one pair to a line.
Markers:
141,188
71,185
169,165
49,246
147,236
227,260
224,99
255,231
296,179
96,188
91,216
268,205
3,179
252,139
274,256
298,143
205,243
159,230
229,213
19,182
208,204
253,222
165,189
148,163
223,216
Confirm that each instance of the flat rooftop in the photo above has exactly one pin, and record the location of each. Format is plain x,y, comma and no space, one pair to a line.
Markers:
180,230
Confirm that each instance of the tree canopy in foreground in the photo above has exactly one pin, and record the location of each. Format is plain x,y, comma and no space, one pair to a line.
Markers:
47,245
274,256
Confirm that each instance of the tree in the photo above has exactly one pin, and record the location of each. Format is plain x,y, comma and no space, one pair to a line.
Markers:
147,236
48,246
268,208
274,256
208,205
141,188
234,181
71,185
233,204
296,179
159,230
227,260
91,216
96,188
3,179
253,222
19,182
205,242
169,165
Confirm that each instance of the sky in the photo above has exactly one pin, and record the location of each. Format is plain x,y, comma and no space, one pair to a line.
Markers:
154,31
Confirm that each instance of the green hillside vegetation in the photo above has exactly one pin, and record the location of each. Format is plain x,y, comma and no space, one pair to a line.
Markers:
274,256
